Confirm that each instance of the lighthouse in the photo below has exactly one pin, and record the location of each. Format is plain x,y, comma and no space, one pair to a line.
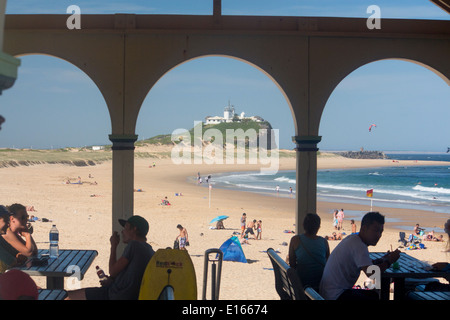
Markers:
228,113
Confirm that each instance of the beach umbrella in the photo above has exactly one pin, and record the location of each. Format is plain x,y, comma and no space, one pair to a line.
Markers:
219,218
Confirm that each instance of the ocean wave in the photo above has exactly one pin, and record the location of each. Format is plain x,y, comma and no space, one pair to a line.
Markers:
415,193
285,179
439,190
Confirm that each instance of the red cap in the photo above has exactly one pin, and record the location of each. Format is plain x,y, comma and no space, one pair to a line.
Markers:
16,284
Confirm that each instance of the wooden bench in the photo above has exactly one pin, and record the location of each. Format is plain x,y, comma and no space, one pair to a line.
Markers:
428,295
287,282
56,294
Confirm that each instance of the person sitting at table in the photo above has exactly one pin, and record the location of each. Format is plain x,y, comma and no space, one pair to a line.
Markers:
308,252
350,257
126,273
9,257
18,234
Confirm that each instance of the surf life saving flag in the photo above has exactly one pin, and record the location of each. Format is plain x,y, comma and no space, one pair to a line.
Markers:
369,193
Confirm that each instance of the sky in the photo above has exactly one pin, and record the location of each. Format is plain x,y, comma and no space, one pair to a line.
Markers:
53,104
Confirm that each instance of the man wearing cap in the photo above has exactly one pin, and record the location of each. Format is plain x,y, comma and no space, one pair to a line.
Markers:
126,272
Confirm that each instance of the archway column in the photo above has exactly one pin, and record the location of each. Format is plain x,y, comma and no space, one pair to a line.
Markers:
306,174
122,177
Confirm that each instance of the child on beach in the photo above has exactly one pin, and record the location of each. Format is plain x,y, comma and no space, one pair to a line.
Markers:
258,230
353,226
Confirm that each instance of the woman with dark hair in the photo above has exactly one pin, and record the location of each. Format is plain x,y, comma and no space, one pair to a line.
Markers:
18,235
9,256
308,252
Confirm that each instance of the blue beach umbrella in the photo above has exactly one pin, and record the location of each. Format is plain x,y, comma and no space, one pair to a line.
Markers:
219,218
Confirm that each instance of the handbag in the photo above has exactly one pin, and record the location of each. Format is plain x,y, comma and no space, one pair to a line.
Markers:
176,244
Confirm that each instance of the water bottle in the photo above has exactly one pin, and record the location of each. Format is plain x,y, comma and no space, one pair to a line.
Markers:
54,238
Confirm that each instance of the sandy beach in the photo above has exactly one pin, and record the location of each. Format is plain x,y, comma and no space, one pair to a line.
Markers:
82,213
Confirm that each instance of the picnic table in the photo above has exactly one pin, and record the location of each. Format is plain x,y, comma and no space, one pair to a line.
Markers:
409,267
69,263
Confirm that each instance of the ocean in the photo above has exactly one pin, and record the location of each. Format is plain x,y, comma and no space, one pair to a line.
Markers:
414,187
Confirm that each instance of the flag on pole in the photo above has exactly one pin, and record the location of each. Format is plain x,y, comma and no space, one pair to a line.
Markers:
369,193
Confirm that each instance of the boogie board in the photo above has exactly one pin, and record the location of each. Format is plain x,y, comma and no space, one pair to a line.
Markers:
169,267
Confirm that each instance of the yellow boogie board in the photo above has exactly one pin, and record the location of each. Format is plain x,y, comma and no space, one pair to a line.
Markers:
169,267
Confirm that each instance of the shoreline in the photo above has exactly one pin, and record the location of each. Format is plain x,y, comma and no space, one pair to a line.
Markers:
82,213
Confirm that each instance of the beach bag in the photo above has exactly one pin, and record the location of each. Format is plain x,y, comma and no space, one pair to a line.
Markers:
176,244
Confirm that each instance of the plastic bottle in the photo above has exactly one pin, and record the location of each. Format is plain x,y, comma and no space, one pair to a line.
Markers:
101,274
54,240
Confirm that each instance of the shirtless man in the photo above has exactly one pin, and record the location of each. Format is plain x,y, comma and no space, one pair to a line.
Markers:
250,226
183,237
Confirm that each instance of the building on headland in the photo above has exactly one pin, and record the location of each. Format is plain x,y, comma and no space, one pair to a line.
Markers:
230,115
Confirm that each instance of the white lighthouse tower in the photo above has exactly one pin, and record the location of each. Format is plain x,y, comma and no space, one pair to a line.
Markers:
228,113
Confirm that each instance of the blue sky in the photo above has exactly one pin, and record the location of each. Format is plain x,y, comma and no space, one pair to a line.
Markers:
53,104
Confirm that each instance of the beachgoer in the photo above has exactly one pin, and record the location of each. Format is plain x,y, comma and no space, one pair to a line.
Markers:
353,224
417,230
335,220
126,272
308,252
290,192
259,229
18,234
183,237
9,257
340,218
17,285
219,225
334,236
250,226
243,223
277,189
165,202
350,257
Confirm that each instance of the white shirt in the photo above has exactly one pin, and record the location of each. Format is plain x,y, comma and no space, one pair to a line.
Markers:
343,267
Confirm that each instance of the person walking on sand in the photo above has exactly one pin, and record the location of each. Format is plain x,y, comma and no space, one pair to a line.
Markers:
243,223
183,237
340,218
335,220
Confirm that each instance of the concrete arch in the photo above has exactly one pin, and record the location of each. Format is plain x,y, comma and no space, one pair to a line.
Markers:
92,62
81,67
351,55
126,54
170,52
432,69
234,58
